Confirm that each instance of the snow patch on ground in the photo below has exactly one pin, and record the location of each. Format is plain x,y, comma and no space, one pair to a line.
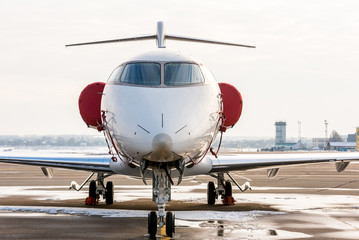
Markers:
76,211
227,224
300,202
119,213
285,202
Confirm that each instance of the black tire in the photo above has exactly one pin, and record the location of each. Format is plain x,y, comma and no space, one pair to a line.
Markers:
92,189
174,223
152,224
170,224
211,193
109,193
228,189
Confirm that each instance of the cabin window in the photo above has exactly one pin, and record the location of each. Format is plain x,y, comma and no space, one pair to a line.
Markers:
182,74
142,74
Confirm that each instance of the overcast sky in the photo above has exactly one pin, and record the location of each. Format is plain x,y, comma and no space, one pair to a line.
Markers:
305,66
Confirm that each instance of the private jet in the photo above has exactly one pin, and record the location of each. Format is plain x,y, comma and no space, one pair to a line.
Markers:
160,113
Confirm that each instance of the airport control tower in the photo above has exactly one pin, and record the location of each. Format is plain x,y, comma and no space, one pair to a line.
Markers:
280,132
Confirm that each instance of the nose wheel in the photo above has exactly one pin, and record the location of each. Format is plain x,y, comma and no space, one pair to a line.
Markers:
170,224
152,224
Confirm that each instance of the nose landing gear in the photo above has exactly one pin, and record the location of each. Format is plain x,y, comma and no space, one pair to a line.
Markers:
161,195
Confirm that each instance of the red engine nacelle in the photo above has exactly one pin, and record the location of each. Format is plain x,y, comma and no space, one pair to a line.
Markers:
232,104
90,104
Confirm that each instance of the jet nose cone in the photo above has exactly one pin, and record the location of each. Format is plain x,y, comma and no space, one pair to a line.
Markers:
162,142
162,145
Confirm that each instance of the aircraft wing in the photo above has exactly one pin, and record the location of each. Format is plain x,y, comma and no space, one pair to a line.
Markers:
241,162
224,163
85,162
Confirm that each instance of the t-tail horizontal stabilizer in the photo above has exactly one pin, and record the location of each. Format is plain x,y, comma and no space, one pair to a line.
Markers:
161,37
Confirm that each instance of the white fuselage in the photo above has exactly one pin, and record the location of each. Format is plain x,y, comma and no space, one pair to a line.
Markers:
162,123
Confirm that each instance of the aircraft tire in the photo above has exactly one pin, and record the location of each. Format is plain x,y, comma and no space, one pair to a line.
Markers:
228,189
211,193
152,224
109,193
92,189
170,224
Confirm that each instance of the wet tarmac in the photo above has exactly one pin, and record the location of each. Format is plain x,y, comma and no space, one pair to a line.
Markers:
312,201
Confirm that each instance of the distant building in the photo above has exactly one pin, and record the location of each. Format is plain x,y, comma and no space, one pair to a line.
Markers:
342,146
319,143
280,132
351,138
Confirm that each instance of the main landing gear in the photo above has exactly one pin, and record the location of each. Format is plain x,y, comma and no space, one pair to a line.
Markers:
97,189
224,189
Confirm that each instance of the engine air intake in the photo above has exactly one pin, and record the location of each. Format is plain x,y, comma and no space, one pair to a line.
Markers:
90,104
232,104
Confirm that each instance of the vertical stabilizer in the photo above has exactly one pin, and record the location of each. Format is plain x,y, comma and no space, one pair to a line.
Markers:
160,37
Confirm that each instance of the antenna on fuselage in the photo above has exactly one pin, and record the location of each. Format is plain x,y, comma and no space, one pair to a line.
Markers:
161,37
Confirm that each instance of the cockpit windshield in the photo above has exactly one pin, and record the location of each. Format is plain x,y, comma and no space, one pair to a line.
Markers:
182,74
142,74
115,75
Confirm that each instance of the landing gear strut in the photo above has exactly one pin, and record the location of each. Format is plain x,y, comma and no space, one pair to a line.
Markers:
161,195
